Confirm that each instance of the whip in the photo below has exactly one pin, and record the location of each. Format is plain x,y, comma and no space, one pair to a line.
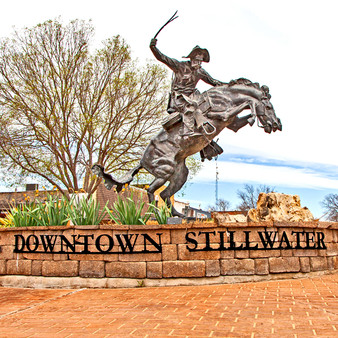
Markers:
170,20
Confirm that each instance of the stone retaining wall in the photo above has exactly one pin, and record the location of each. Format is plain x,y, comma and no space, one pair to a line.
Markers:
165,254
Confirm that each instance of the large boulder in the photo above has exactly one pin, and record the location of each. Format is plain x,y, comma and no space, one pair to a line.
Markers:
279,207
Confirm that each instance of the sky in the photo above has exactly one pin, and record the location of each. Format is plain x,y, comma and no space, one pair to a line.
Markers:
288,45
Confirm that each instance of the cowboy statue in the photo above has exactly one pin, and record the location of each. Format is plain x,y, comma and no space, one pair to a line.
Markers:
194,120
184,96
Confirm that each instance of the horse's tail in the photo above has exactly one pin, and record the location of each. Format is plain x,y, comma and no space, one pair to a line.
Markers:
110,181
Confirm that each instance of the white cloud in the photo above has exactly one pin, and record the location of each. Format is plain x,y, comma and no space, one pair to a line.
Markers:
262,174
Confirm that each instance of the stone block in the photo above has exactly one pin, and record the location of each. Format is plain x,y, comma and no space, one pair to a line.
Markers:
2,267
212,268
232,267
331,250
38,256
227,254
60,268
211,235
261,266
169,252
85,257
178,236
36,268
284,264
154,269
304,264
286,253
328,235
6,252
242,254
174,269
60,257
19,267
95,269
110,257
330,263
7,237
184,254
165,236
140,257
55,233
305,252
265,253
318,263
254,234
335,236
126,269
335,263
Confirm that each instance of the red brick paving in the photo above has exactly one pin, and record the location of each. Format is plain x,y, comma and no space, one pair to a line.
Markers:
287,308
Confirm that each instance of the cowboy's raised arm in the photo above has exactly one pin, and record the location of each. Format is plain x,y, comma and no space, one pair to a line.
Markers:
210,80
171,63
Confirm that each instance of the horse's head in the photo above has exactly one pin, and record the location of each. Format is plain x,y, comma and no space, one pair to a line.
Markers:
266,113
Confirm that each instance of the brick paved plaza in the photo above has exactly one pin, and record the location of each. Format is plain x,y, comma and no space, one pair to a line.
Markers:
286,308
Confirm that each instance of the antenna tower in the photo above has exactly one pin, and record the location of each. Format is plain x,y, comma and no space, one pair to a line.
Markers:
216,185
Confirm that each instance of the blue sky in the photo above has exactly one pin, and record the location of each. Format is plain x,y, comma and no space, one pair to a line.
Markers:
288,45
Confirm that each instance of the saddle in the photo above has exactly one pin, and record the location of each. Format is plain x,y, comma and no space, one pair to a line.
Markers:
201,109
204,106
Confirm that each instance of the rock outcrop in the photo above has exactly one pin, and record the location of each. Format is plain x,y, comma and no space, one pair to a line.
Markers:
224,217
279,207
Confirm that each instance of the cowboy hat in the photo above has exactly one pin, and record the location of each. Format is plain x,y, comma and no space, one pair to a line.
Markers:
199,50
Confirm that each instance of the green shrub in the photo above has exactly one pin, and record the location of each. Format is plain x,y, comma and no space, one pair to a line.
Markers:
128,211
85,211
23,215
52,212
161,214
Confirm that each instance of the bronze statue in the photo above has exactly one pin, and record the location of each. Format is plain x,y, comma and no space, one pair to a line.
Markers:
195,120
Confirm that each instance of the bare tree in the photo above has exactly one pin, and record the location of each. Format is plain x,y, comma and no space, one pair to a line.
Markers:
249,196
330,205
63,108
221,205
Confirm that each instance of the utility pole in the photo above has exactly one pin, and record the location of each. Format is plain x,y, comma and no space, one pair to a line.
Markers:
216,186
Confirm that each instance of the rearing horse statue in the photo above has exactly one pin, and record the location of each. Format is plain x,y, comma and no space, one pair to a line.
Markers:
166,153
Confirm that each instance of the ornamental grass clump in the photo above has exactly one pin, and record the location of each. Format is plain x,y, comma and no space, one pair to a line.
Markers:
22,215
85,211
7,221
53,211
128,211
161,214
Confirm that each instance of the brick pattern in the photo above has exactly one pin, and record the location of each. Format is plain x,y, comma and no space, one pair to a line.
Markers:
289,308
175,260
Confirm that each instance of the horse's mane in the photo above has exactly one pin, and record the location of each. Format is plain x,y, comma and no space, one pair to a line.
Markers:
246,82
